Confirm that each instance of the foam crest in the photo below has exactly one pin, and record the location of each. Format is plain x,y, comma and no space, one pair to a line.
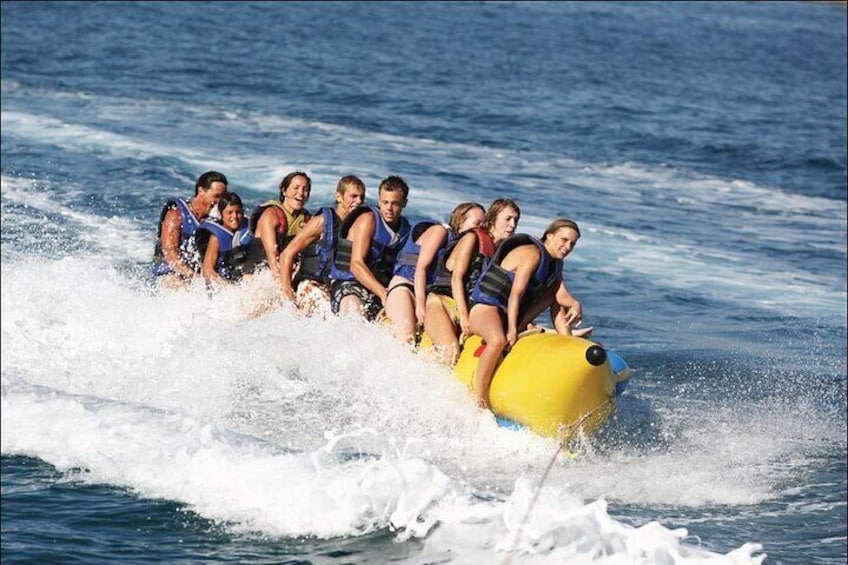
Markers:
252,486
276,375
291,380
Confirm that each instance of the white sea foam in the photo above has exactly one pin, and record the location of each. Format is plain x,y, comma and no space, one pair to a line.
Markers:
254,486
116,367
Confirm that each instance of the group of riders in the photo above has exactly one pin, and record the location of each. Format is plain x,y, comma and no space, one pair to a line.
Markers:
471,275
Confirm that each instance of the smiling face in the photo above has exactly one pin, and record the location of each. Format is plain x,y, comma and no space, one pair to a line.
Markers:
209,197
505,223
296,195
232,216
561,242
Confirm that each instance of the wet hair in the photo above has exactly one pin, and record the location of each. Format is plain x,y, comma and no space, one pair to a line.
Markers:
287,180
348,182
205,181
227,199
459,213
495,209
395,183
558,224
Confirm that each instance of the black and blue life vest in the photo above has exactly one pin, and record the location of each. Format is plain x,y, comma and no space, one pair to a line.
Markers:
289,225
232,247
440,282
187,250
316,260
385,246
494,284
408,257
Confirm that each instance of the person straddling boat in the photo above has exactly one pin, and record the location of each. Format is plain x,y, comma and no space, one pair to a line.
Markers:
223,243
175,258
458,266
369,241
316,247
275,222
407,291
522,279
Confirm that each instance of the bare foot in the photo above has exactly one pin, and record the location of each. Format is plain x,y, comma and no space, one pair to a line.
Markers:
582,332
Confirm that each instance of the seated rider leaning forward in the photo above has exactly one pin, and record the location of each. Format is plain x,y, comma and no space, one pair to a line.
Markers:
223,243
274,223
175,259
523,278
407,290
316,247
456,271
369,241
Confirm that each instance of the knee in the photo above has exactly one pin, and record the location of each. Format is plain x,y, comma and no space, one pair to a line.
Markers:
496,343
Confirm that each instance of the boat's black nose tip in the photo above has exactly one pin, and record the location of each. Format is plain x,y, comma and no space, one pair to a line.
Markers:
596,355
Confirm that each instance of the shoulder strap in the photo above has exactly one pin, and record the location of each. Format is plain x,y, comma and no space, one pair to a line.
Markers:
511,243
485,243
351,217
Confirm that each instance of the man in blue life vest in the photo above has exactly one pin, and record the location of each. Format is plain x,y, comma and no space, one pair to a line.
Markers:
175,259
370,239
315,246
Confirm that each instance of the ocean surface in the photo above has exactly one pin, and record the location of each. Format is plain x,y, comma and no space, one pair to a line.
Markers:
700,146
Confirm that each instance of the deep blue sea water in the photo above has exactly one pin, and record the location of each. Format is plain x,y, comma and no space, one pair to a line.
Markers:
700,146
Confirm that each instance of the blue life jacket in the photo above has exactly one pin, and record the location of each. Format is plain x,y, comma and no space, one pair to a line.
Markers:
440,281
187,250
385,246
316,260
494,284
232,247
408,257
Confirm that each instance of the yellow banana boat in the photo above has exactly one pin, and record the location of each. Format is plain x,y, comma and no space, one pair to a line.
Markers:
553,384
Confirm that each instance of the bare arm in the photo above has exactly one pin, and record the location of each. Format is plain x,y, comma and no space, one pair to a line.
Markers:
170,240
360,234
526,261
210,260
266,231
458,263
566,311
430,241
310,233
545,300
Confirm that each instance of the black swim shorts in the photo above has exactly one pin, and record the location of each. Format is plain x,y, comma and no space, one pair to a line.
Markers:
370,303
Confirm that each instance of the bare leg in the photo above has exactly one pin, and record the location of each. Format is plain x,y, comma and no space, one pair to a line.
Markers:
312,298
486,322
400,309
351,305
439,325
172,281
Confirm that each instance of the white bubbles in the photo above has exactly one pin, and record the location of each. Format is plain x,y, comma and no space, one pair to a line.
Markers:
288,426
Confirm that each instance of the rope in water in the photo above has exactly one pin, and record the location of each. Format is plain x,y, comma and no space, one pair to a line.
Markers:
565,435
